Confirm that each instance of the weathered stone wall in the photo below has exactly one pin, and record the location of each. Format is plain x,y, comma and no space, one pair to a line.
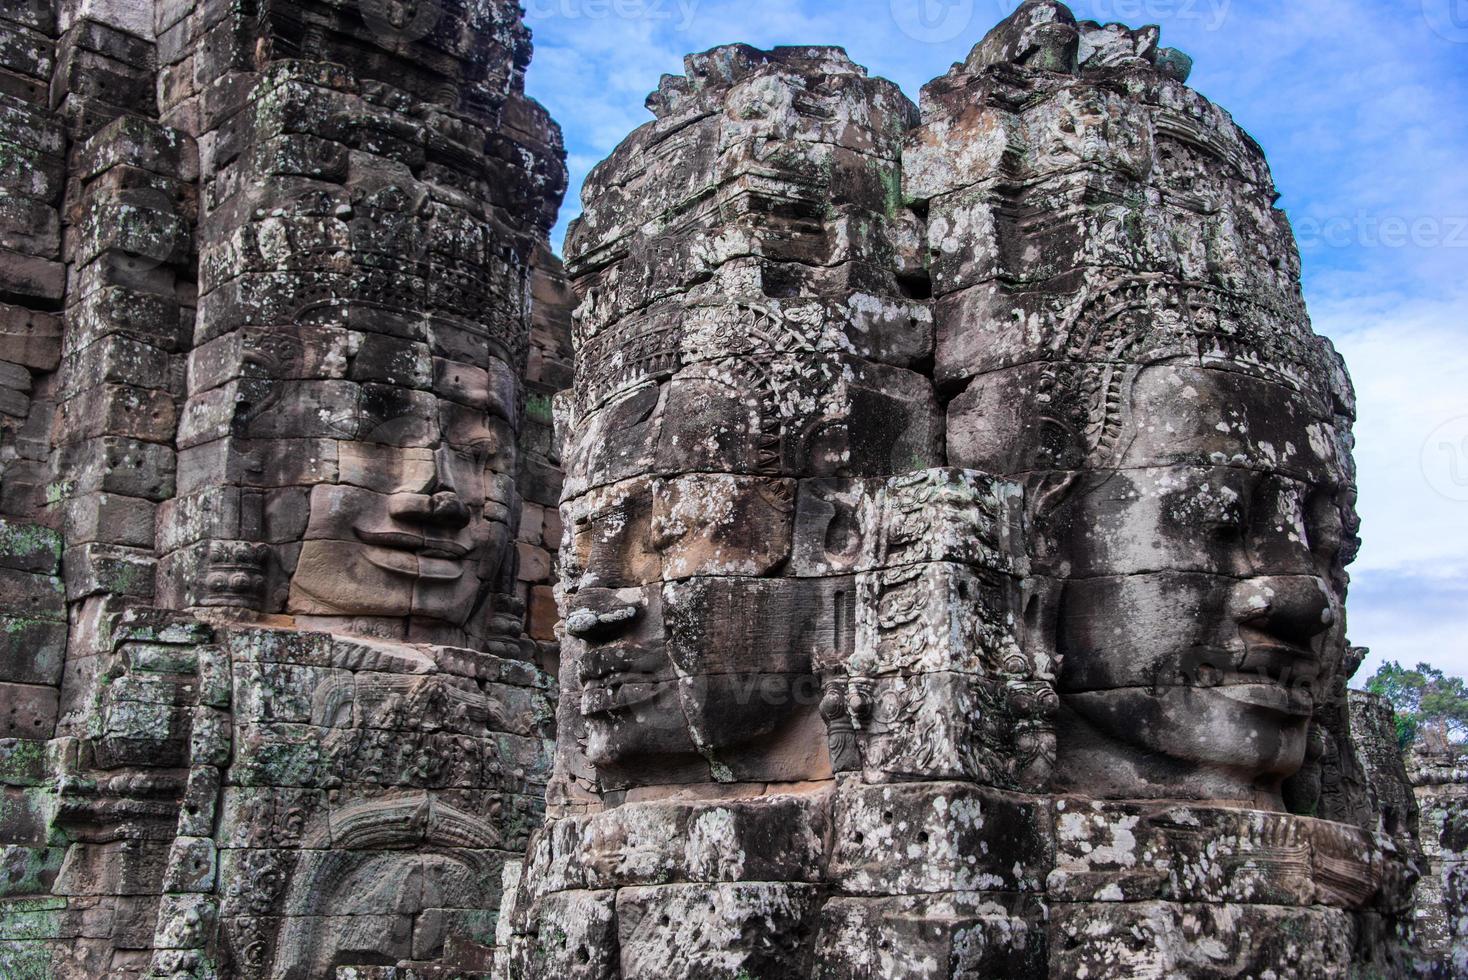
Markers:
752,336
1388,786
274,465
944,575
33,612
548,372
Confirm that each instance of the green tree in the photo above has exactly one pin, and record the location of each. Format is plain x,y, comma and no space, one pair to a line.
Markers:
1431,706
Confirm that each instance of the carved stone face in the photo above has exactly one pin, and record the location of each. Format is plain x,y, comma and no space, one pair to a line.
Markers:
418,526
1203,608
685,653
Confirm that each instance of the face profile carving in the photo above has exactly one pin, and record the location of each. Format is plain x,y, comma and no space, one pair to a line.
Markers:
716,383
692,655
1192,515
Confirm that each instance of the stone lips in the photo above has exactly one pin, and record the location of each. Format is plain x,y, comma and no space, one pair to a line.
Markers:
1116,296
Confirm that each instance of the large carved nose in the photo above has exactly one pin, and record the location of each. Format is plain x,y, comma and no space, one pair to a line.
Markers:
443,509
1292,608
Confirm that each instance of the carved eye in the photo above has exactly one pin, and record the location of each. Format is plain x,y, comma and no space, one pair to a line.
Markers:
1226,521
487,444
484,450
1216,510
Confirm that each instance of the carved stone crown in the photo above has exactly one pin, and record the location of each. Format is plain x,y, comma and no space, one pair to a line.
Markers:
234,576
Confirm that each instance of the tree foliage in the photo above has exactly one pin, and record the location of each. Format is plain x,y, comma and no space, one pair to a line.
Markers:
1431,706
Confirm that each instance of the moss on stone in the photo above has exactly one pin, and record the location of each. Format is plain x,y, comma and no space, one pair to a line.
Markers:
25,960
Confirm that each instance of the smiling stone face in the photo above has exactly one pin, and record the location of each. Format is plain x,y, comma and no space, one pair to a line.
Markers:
692,655
418,528
728,360
1203,611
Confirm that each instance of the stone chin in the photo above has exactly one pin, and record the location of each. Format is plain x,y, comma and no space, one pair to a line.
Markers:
1236,742
632,725
635,720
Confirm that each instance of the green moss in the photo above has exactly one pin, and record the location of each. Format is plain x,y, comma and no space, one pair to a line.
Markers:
29,539
31,918
891,178
58,492
540,408
127,577
25,961
16,625
22,762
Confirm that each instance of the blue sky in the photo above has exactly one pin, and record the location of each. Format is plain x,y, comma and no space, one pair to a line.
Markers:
1362,106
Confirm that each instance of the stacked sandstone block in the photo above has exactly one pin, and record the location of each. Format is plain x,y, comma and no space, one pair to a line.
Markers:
33,612
763,568
742,356
548,372
32,284
1440,783
103,360
1088,218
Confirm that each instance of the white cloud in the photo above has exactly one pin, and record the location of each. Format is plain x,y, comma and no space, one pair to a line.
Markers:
1409,360
1409,601
1410,621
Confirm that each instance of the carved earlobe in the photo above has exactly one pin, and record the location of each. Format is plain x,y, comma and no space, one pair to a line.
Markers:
1045,495
1038,630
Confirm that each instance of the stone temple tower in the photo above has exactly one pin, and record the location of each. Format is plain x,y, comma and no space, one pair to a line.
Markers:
275,456
905,540
958,506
